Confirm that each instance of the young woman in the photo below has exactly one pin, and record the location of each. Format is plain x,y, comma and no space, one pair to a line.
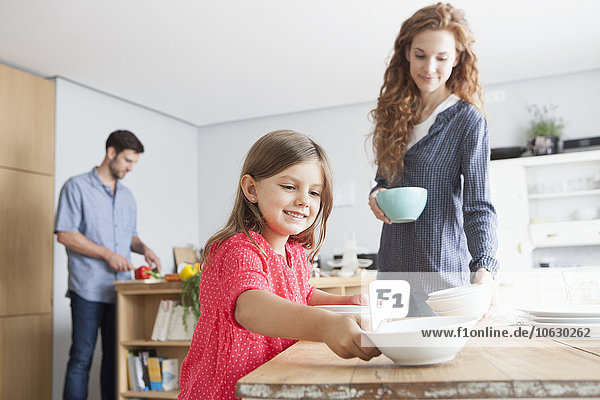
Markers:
430,132
254,291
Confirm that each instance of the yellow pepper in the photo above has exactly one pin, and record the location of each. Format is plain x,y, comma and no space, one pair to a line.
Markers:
188,271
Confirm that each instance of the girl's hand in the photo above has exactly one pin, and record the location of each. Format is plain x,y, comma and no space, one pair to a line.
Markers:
359,299
375,207
341,333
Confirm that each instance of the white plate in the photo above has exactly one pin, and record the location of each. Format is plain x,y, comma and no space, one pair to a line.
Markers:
346,309
563,310
567,320
362,263
594,328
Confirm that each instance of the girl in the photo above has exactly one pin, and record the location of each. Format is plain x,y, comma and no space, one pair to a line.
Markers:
430,132
254,291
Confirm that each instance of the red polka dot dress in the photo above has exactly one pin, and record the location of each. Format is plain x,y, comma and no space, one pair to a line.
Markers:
222,351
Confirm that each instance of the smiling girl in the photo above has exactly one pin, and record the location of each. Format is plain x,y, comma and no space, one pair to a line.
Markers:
254,292
430,132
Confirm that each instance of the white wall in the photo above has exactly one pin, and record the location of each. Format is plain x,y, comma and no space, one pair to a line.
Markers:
342,131
164,183
575,95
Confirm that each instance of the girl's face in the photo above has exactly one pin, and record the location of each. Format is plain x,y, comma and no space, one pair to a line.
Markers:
289,201
432,55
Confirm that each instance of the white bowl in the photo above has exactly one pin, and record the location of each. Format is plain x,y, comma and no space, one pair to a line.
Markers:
404,343
451,303
475,310
460,291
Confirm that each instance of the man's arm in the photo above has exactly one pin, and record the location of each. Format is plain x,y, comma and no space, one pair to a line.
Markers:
137,246
76,241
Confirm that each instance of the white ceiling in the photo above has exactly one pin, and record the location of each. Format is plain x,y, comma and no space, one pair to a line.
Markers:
208,62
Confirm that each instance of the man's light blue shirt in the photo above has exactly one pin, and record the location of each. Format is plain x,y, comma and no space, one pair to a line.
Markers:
88,206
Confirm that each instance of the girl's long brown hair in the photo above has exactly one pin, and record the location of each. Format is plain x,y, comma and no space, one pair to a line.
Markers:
270,155
399,103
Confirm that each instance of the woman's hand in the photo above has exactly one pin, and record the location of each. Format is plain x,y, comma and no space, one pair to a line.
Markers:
341,333
482,275
375,207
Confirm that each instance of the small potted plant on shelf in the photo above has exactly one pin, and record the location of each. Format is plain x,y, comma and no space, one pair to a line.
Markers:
545,129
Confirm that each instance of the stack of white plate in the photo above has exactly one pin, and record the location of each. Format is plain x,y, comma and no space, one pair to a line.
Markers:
469,300
347,309
567,316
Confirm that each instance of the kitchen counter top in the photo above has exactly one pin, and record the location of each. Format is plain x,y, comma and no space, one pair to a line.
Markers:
537,368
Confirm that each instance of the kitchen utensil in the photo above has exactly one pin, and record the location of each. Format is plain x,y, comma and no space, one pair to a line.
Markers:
582,285
475,310
567,320
404,204
593,327
453,302
460,291
346,309
563,310
404,343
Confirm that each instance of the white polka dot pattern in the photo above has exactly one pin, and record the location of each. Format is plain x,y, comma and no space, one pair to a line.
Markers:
222,351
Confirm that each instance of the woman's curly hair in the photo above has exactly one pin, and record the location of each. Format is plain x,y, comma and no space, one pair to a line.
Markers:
399,100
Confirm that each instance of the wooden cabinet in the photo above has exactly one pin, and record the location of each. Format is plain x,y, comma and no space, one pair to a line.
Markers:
26,212
26,357
26,121
137,305
27,110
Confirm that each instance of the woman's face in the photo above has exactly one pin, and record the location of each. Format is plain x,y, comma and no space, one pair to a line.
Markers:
431,55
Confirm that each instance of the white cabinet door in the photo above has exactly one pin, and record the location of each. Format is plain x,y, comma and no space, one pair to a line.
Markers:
508,188
514,248
509,195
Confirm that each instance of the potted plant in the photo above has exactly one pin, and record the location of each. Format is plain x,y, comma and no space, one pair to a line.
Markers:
545,129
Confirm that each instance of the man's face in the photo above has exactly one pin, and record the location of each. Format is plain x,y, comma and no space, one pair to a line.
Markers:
120,164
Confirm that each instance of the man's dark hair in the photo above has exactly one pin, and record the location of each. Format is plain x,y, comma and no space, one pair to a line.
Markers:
124,140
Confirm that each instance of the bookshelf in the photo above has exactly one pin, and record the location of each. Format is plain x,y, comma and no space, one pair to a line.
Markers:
137,305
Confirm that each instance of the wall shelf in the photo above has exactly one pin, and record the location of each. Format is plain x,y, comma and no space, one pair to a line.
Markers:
555,195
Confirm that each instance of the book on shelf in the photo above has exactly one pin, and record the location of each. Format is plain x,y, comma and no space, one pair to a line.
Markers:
169,324
145,355
170,373
154,373
161,322
136,372
162,373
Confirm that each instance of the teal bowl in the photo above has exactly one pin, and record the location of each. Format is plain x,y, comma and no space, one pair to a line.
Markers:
403,204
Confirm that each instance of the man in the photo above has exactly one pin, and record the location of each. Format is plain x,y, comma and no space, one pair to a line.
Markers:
96,221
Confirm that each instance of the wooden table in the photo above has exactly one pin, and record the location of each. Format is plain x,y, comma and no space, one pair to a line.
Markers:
540,368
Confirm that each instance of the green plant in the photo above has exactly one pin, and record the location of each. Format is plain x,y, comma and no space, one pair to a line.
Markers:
189,297
544,122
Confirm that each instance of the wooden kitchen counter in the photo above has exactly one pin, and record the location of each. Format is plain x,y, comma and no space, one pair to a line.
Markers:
541,368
